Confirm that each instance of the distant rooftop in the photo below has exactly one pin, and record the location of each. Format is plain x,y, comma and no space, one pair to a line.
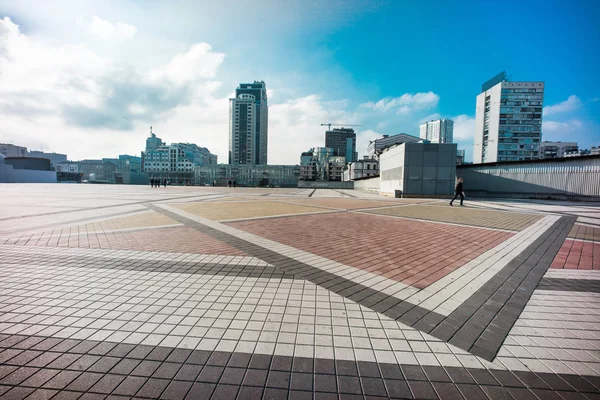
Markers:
501,77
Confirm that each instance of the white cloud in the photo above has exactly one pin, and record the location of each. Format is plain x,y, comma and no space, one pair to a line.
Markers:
464,128
585,132
464,132
37,77
70,100
571,104
363,138
295,126
199,62
104,29
405,103
431,117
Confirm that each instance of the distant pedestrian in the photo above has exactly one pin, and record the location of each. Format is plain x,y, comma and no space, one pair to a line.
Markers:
229,184
165,182
459,192
234,184
152,182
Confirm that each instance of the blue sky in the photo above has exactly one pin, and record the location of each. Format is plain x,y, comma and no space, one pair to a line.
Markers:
89,78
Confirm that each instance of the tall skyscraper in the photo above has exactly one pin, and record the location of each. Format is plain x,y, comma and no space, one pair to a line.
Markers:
438,131
343,143
508,120
248,124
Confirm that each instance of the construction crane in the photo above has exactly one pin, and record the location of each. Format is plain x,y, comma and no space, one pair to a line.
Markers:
329,125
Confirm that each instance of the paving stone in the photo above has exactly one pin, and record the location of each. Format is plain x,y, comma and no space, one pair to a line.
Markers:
202,285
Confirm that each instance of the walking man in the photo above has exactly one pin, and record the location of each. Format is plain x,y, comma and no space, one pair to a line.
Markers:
459,192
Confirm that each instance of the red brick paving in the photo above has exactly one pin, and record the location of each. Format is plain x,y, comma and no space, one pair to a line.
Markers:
577,254
178,240
352,204
413,252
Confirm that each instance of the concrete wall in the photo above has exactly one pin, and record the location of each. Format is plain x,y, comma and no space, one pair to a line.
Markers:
575,178
10,175
36,164
135,178
368,184
419,169
326,185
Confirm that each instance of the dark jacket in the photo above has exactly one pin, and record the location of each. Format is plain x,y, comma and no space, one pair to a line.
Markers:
459,187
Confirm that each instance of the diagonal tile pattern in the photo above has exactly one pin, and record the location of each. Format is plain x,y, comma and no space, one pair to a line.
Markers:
177,239
381,245
463,216
136,292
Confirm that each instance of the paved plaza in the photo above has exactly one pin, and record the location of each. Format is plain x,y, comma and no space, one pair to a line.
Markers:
116,292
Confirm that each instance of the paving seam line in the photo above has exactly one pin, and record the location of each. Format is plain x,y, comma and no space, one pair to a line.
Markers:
367,212
77,222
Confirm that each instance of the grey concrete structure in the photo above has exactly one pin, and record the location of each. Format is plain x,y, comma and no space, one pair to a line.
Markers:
248,124
575,178
508,121
418,169
11,172
37,164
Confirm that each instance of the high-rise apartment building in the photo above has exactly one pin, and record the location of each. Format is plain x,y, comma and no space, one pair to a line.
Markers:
343,143
248,124
438,131
508,120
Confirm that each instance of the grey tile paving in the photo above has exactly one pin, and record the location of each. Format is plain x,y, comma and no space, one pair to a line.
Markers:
101,323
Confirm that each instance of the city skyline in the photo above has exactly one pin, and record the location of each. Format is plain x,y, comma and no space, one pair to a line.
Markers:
87,80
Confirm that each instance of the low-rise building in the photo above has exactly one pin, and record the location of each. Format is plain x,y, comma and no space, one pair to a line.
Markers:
71,167
247,175
376,147
174,162
557,149
320,164
54,158
97,171
577,153
365,168
10,150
